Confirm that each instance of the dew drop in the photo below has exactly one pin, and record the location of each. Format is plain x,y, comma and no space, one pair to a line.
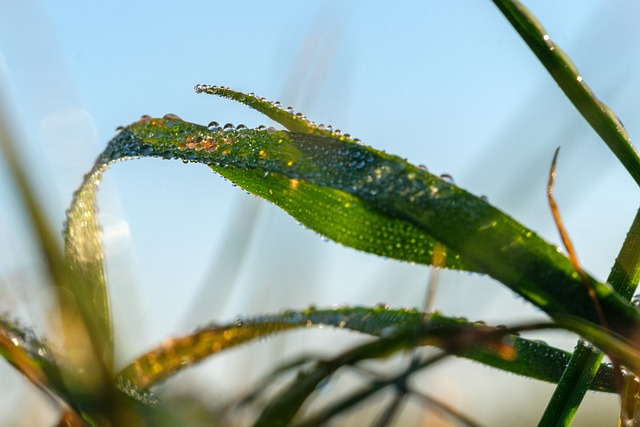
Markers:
228,127
213,125
423,168
262,128
277,104
579,79
240,127
446,177
584,343
290,110
171,117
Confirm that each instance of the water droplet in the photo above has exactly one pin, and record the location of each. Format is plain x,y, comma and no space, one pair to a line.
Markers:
228,127
290,110
484,198
337,132
171,117
213,125
584,343
446,177
423,168
277,104
262,127
635,301
579,79
240,127
120,128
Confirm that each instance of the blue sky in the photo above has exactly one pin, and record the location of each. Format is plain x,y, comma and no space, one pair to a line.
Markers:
445,84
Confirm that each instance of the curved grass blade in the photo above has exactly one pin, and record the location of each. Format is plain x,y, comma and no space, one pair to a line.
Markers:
565,73
533,359
402,197
85,258
294,122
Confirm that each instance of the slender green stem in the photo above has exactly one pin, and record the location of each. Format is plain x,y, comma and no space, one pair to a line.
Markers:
585,361
564,72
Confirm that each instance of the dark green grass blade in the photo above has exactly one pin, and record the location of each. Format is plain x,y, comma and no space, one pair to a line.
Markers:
476,234
585,361
531,358
565,73
624,277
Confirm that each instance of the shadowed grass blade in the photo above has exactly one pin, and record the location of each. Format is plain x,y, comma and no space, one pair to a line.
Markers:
530,358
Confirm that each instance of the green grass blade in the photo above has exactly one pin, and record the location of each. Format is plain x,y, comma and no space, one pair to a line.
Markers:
294,122
624,277
533,359
84,254
565,73
83,336
403,198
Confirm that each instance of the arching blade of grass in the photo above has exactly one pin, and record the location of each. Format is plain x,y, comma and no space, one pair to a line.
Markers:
565,73
530,358
84,255
625,273
320,178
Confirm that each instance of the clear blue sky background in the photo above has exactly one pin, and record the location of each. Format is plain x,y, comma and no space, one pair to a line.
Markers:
445,84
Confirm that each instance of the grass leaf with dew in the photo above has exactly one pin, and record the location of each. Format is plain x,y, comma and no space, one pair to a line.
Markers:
331,185
603,120
533,359
564,72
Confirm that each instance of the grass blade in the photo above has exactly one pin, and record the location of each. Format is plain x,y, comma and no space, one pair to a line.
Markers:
534,359
624,277
564,72
332,185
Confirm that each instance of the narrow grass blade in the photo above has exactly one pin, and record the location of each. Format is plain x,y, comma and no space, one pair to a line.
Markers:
565,73
85,338
377,202
84,254
624,277
533,359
